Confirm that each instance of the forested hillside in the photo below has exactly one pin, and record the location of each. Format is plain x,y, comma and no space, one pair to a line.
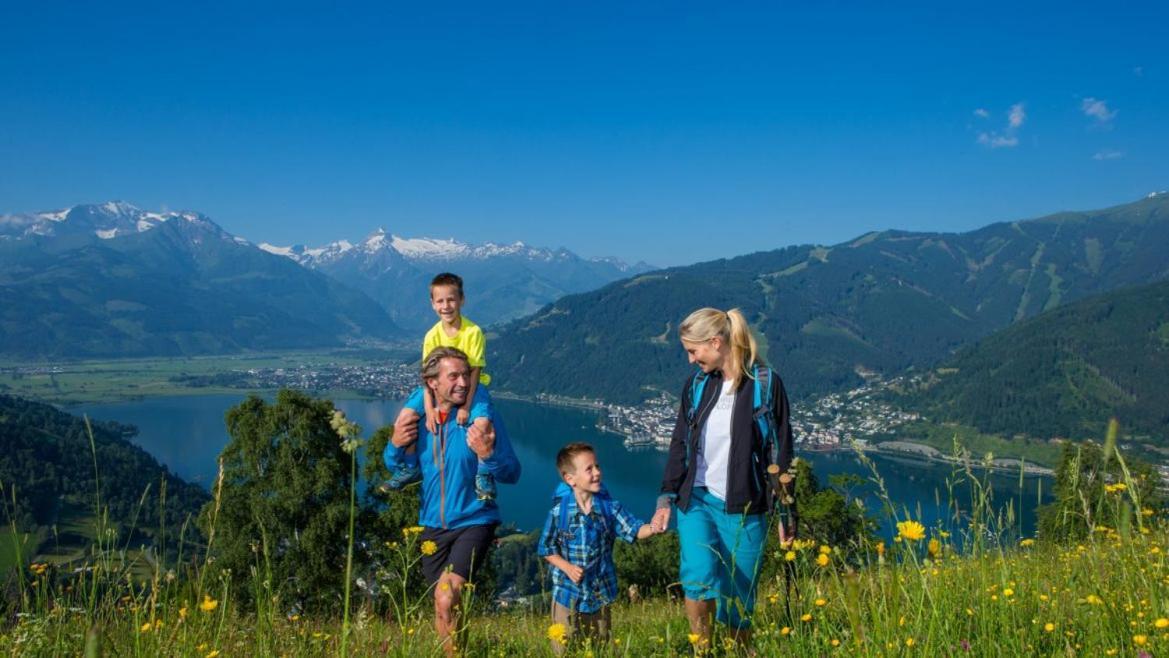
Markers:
882,303
1065,372
46,462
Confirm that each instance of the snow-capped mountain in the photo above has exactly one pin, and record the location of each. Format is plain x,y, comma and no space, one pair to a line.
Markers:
105,221
115,280
503,281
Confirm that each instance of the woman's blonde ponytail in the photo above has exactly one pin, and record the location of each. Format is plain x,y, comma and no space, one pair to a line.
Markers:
706,323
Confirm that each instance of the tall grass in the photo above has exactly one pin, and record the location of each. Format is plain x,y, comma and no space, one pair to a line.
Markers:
930,592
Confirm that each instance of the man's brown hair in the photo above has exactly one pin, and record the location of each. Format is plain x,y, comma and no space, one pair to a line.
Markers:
447,279
568,453
436,356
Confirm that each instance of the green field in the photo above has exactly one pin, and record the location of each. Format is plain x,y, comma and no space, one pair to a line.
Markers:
80,382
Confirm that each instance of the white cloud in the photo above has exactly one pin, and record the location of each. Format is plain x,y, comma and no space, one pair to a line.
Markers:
1108,154
1097,109
1016,116
1007,137
997,141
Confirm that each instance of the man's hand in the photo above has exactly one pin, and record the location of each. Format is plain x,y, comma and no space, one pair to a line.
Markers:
661,519
481,438
405,429
574,573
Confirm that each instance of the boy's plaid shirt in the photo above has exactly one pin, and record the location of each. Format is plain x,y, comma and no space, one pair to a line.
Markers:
588,543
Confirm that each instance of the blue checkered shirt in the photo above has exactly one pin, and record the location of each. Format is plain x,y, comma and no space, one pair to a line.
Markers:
588,543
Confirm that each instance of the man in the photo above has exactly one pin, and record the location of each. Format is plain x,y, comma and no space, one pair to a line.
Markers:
459,523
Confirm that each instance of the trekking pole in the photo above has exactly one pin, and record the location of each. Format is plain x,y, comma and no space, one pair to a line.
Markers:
784,487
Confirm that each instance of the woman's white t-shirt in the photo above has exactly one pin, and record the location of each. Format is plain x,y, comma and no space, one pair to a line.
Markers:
716,444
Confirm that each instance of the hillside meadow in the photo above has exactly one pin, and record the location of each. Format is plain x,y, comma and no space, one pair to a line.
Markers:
979,590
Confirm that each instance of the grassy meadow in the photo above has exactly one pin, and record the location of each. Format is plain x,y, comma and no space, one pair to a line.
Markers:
927,592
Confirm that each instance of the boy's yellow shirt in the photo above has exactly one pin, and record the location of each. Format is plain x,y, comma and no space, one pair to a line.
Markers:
469,339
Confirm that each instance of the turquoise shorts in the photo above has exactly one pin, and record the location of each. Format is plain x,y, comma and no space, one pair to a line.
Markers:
721,556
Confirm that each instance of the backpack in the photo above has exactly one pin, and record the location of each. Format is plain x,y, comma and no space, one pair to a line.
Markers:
602,504
761,409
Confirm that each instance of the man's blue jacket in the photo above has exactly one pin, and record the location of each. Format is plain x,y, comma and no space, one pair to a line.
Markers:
449,467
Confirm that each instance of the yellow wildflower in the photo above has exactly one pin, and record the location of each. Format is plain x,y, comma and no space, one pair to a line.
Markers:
820,603
880,549
428,547
789,556
909,642
693,638
835,642
807,616
208,603
911,530
825,549
1027,542
934,547
1008,592
786,630
1140,640
556,633
183,612
822,560
1049,627
213,653
145,628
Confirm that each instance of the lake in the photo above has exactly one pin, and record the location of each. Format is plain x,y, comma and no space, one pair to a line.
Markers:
187,433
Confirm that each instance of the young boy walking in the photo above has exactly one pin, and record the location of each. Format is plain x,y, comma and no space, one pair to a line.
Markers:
451,330
578,542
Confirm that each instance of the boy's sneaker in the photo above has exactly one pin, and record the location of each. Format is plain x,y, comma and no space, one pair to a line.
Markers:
404,475
484,486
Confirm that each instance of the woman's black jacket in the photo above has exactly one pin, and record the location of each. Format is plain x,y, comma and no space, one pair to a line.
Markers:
747,489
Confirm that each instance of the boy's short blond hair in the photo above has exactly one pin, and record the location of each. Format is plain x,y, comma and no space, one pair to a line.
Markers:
568,453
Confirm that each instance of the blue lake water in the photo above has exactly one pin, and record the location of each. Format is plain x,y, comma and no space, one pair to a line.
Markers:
187,433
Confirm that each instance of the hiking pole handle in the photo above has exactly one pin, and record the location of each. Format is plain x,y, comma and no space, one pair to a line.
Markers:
783,485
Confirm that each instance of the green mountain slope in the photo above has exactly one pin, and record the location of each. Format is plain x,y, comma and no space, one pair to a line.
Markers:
1065,372
883,302
47,467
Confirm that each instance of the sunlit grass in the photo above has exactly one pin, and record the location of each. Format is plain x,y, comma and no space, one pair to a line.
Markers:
926,593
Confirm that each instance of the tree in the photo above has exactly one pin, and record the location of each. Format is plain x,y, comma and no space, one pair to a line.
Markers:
1095,488
283,507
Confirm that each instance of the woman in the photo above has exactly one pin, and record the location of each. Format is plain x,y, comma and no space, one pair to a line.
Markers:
716,472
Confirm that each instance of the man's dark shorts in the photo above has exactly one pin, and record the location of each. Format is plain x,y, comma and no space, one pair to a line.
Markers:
462,550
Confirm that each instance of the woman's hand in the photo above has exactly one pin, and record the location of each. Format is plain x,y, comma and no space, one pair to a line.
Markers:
661,519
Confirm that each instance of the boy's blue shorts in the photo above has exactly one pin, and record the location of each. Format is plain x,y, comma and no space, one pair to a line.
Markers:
721,556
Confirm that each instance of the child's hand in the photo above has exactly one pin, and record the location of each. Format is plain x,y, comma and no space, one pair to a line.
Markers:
462,416
574,573
431,421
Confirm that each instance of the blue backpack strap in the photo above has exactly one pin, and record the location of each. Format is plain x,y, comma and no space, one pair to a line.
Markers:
697,387
761,405
602,503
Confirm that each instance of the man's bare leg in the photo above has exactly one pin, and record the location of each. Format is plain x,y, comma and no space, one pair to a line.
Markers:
447,596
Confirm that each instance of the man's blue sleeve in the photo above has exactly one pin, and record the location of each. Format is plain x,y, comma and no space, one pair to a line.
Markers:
503,463
415,402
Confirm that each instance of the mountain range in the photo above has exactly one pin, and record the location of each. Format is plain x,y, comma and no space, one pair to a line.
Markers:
830,315
502,281
113,280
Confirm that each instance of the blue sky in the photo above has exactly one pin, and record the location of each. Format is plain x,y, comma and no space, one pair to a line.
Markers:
666,132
